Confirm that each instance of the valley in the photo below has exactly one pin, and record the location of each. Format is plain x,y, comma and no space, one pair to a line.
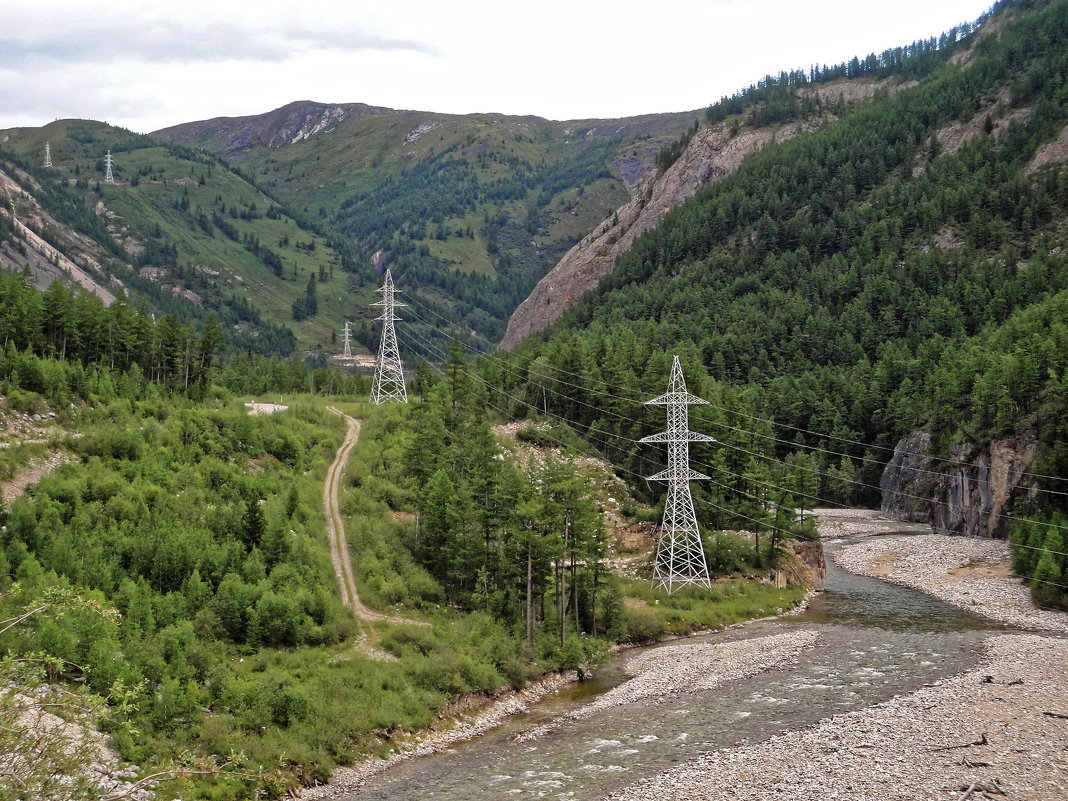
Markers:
228,565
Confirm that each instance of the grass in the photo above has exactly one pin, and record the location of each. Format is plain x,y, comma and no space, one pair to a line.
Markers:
653,613
17,456
221,266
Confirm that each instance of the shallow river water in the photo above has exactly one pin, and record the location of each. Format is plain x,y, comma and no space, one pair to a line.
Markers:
876,640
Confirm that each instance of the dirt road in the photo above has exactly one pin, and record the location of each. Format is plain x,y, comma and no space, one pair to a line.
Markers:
335,530
335,526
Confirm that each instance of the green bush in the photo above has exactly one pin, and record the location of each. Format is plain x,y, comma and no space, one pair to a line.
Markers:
27,402
644,625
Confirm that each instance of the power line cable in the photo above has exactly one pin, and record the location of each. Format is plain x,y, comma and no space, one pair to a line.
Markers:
730,473
751,417
765,457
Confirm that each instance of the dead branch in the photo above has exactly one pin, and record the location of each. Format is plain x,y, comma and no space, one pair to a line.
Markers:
981,741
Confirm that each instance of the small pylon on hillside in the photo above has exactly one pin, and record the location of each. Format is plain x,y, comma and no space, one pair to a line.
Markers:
48,155
109,177
680,556
347,353
389,372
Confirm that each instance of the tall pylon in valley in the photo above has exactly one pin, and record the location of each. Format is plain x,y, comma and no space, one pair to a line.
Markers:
347,353
109,177
680,556
389,373
48,154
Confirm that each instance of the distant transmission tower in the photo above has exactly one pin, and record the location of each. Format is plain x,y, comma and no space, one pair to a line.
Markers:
48,154
108,161
680,556
389,374
348,346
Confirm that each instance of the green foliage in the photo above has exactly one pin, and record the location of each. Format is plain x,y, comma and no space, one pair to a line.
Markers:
651,612
816,283
643,625
63,344
203,228
1039,554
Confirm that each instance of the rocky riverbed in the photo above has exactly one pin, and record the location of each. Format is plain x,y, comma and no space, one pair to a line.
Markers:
834,524
672,670
974,574
1000,730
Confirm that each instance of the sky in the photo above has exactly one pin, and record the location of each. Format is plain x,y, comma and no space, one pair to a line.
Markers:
146,65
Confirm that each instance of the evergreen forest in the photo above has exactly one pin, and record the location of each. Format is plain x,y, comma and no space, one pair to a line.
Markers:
898,269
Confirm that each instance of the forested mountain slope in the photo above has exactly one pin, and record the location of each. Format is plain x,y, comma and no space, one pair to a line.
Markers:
178,230
468,210
899,268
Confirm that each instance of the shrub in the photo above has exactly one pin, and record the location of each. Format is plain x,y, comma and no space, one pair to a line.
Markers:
644,625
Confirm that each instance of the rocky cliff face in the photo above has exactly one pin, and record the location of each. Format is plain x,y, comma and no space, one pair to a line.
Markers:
712,154
967,493
812,557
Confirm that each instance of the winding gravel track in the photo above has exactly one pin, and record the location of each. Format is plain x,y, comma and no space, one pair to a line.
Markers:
335,529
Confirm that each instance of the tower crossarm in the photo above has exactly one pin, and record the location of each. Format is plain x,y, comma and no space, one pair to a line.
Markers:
682,436
683,474
683,397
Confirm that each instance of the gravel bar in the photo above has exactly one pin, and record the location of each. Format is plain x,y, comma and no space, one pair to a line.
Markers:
833,524
673,670
973,574
998,731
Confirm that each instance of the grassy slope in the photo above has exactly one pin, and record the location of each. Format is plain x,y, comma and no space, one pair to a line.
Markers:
221,266
354,157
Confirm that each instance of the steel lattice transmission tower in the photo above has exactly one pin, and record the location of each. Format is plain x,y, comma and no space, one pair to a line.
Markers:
680,556
389,373
48,154
109,178
347,353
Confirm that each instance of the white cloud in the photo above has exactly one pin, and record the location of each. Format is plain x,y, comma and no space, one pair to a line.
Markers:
146,67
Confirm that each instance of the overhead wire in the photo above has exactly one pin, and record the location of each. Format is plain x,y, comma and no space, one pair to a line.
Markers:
572,424
764,525
773,460
729,410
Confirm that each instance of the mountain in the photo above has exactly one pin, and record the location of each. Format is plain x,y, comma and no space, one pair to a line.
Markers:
177,228
869,271
469,211
711,153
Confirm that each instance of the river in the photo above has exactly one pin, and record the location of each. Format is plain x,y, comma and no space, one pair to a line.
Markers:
876,640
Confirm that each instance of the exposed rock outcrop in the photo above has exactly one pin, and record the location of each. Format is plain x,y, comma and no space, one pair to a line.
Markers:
712,154
1053,153
74,259
967,493
811,555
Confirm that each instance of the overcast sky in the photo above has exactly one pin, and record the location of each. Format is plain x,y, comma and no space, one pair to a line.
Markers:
146,65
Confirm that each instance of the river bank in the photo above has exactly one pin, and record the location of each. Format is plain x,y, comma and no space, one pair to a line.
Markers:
972,574
1000,725
457,728
658,673
669,671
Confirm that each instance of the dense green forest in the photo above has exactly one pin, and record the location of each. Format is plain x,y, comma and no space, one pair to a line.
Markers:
426,201
863,281
836,293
